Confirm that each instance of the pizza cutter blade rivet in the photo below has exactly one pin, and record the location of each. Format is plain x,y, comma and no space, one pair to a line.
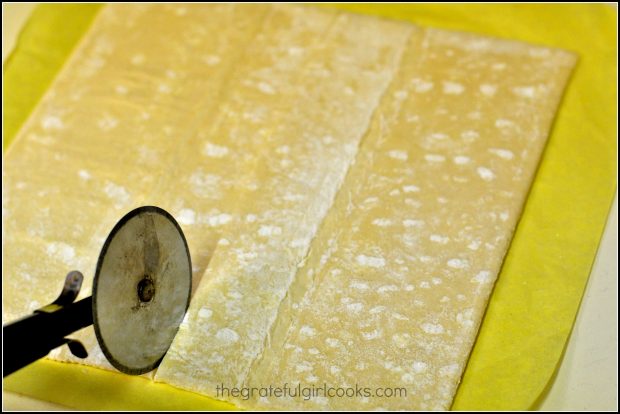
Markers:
146,290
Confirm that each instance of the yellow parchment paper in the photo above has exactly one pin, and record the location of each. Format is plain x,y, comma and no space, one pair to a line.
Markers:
536,298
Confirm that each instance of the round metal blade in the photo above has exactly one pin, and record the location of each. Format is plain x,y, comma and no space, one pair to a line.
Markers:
141,289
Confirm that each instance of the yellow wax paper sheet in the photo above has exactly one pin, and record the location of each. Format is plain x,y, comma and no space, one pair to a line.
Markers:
537,296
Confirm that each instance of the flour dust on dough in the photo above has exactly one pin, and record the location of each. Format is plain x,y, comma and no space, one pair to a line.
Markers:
348,187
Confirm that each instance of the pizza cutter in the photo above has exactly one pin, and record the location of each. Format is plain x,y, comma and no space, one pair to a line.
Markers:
141,291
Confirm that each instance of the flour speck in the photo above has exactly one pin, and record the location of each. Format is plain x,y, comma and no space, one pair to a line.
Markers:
51,122
227,335
502,153
458,263
411,188
525,91
421,86
453,88
214,151
485,173
266,88
84,175
219,219
117,193
434,158
266,231
398,155
61,251
370,261
205,313
488,89
481,277
461,160
307,331
137,59
211,60
382,222
432,328
186,217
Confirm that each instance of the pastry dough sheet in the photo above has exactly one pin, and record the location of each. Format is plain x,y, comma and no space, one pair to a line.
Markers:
243,121
399,275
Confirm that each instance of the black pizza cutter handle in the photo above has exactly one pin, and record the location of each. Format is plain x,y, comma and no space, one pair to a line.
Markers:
33,337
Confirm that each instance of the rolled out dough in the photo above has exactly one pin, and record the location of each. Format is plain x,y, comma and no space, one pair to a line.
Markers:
348,187
398,277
